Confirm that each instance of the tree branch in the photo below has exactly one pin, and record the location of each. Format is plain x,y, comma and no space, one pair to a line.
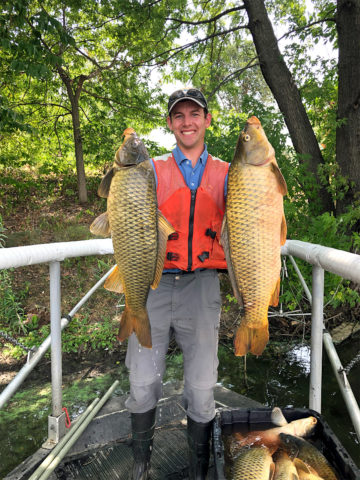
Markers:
111,101
234,74
210,20
184,47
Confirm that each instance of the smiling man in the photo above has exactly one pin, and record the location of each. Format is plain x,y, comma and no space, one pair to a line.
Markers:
186,305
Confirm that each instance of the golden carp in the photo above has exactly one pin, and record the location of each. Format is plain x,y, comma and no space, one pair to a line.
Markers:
309,454
253,464
270,437
254,228
139,233
305,472
284,467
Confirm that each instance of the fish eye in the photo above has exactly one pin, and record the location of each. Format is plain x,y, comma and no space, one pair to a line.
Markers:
246,137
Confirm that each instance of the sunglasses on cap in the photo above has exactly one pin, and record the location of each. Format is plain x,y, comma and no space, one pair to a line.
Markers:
192,94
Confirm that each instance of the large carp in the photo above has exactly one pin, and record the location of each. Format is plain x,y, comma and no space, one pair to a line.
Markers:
139,233
309,454
253,464
254,228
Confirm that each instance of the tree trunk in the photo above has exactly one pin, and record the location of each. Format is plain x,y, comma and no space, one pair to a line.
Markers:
282,85
79,155
348,130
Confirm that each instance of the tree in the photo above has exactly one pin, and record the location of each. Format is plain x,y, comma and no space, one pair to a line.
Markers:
95,49
348,111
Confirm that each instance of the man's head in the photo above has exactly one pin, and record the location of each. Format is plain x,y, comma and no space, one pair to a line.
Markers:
192,94
188,119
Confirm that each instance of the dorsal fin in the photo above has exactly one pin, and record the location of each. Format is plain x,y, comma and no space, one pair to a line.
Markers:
104,187
283,232
224,242
281,180
274,299
164,230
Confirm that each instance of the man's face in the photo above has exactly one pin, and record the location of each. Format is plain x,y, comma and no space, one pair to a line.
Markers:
188,123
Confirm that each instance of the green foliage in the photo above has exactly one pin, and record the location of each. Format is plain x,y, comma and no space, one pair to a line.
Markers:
11,311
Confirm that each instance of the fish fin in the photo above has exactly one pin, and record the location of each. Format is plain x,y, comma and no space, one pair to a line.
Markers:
224,242
300,465
126,325
277,417
274,300
138,323
101,226
272,470
164,230
281,180
114,281
251,340
104,187
283,231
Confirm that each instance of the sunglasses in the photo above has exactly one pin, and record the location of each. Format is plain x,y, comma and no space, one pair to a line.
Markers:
190,94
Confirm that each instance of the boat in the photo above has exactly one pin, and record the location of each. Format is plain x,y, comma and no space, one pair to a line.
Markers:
100,446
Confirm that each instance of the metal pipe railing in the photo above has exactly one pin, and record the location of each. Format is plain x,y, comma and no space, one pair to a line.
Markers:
322,258
339,372
316,338
16,382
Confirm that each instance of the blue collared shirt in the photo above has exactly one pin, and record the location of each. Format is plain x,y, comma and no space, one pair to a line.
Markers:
192,176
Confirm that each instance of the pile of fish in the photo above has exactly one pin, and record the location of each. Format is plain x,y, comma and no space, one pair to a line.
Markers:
138,230
254,228
279,453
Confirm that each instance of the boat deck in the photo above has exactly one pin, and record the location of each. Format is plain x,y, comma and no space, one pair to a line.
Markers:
104,449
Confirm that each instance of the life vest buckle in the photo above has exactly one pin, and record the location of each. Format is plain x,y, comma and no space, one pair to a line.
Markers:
210,233
203,256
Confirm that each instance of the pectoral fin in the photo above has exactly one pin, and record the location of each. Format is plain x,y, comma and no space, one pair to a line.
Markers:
104,187
164,230
100,225
277,417
281,180
114,282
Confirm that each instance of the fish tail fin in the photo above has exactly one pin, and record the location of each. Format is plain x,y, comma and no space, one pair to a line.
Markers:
138,323
251,340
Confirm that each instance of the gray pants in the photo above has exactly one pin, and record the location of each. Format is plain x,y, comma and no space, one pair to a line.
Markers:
187,306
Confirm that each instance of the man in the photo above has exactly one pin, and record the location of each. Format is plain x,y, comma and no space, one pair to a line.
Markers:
190,192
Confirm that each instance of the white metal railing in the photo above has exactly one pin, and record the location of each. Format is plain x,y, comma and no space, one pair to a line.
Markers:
345,264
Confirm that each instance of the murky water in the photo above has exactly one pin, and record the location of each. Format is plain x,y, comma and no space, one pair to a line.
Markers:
277,379
283,381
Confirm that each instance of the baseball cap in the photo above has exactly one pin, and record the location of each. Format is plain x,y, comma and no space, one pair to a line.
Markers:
192,94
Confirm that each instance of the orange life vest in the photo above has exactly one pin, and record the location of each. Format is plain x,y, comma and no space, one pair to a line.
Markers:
196,215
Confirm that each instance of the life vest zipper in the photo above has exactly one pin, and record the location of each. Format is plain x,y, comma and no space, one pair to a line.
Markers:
191,228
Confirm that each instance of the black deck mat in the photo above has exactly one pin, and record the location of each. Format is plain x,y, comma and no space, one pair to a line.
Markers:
169,459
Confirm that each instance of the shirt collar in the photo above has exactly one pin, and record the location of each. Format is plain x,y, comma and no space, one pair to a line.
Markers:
180,157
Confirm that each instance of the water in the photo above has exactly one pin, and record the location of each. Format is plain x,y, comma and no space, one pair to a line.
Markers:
283,380
280,377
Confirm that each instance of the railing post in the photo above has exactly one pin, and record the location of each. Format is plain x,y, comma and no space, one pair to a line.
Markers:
56,421
316,338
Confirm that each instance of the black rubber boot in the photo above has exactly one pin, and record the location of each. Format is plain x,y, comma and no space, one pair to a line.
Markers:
143,427
198,435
